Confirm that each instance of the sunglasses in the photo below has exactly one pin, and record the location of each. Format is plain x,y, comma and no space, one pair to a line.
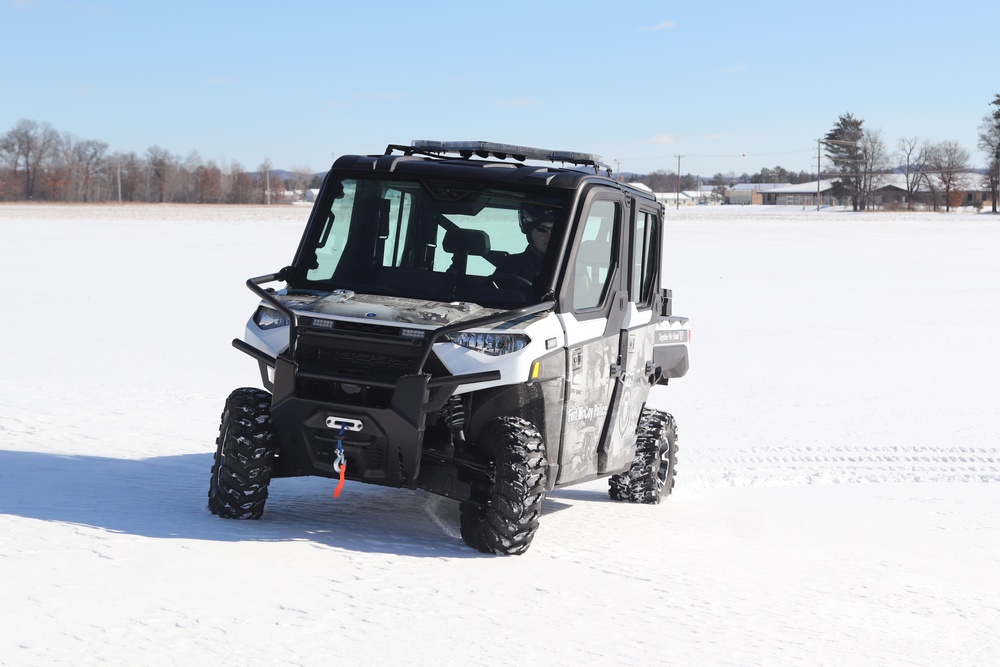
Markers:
543,229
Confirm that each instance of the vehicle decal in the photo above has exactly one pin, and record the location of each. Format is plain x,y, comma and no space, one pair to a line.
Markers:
346,304
667,336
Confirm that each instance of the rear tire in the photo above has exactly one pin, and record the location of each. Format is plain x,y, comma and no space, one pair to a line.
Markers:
244,458
507,521
650,478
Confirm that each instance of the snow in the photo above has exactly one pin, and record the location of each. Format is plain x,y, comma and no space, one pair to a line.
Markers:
837,498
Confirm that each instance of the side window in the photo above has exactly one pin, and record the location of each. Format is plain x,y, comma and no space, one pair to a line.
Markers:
645,253
594,257
397,206
334,236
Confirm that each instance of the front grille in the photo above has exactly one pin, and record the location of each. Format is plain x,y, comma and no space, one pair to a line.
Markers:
360,359
363,327
355,362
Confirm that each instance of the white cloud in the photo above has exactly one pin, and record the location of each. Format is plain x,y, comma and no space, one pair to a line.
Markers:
663,139
666,25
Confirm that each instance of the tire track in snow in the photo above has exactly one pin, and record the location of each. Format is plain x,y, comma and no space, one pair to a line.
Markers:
797,466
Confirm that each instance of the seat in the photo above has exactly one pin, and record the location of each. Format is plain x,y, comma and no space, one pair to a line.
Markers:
461,243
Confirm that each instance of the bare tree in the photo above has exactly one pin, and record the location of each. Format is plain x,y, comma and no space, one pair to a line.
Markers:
300,180
241,191
208,184
129,176
948,165
774,176
873,166
161,166
85,160
268,186
658,181
723,182
989,143
911,161
182,184
32,145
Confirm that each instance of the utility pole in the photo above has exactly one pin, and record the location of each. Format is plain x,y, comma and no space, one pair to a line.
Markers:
678,201
819,155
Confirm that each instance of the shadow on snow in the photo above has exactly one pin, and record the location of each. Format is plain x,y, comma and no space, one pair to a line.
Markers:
167,497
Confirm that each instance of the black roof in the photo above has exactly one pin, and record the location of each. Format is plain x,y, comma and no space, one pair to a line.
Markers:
419,162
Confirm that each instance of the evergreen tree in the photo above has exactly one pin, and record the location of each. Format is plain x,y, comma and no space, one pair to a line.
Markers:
843,148
860,158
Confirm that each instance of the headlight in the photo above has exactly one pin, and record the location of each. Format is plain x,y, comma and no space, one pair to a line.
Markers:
490,343
269,318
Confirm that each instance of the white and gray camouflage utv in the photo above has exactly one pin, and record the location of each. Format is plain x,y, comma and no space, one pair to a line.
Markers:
394,351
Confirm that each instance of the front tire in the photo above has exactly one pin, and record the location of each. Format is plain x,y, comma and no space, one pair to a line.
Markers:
506,523
650,478
244,458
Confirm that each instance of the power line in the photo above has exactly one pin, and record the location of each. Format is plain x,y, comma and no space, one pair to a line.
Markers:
720,155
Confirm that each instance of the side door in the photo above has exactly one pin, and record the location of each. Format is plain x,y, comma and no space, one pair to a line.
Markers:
594,298
639,326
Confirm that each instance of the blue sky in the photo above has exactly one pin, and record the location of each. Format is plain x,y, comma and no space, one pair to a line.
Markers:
730,86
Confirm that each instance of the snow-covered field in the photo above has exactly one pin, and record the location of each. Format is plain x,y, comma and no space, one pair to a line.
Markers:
837,503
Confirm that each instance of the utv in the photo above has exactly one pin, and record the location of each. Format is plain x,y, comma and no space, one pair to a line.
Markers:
469,319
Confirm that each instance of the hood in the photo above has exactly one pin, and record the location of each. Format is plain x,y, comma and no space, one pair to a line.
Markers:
375,308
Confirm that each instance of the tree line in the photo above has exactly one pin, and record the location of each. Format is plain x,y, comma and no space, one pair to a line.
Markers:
39,163
666,180
938,173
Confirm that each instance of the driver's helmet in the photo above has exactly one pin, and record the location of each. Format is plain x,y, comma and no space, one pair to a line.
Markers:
532,215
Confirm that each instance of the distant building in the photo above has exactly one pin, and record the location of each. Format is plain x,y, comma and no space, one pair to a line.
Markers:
749,193
675,199
707,194
703,195
802,194
890,191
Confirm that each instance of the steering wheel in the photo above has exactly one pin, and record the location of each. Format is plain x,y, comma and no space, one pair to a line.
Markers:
510,281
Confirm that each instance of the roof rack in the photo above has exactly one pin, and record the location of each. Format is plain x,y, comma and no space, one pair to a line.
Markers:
486,149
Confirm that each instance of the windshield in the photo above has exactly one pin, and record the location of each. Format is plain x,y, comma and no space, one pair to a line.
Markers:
432,239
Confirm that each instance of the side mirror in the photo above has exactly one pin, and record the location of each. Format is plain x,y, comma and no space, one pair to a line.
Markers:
666,302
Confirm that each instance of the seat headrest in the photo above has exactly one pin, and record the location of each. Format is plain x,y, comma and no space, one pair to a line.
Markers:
467,241
594,253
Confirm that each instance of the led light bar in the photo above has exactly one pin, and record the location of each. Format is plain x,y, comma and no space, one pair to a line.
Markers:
485,149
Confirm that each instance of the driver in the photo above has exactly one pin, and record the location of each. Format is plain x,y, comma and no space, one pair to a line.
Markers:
537,223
